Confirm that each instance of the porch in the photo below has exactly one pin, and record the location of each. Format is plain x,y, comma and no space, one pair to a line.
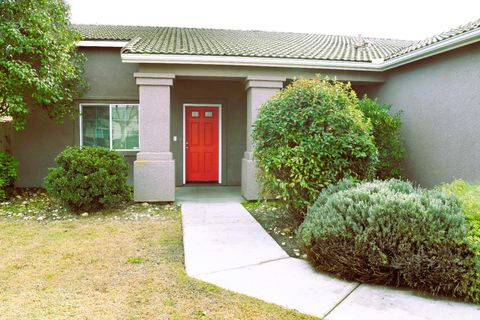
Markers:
220,103
215,117
216,194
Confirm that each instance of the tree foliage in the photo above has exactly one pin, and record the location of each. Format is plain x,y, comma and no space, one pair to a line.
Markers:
386,133
8,173
39,62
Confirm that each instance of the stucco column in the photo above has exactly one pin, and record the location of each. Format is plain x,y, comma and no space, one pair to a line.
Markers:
154,169
259,90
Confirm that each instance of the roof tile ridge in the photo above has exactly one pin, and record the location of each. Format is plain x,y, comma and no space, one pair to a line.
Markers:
129,47
238,30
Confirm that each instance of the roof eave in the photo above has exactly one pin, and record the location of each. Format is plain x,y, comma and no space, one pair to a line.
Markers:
103,43
247,61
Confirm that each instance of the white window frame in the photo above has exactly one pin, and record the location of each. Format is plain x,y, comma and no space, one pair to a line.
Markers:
110,127
219,106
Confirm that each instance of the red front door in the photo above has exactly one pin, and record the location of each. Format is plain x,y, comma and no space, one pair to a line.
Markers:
201,144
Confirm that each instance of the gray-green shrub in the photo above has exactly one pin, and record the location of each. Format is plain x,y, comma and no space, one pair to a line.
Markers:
310,135
89,178
8,173
389,232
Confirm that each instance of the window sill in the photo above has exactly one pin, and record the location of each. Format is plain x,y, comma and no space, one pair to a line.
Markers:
128,152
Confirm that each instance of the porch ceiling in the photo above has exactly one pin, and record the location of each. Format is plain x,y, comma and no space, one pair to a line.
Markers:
240,73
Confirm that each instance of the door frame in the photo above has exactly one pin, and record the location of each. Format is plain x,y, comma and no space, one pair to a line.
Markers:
184,151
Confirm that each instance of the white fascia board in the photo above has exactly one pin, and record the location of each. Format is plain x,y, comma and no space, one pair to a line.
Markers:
246,61
437,48
102,44
378,65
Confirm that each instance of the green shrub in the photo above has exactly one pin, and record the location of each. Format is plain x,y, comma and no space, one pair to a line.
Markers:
389,232
386,134
88,178
469,196
8,173
310,135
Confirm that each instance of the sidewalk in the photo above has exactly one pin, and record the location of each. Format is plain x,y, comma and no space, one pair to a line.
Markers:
226,246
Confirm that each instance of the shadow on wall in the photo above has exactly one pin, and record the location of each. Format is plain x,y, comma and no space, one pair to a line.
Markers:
130,159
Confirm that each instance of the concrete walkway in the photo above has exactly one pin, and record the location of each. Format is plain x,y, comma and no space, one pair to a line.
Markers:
226,246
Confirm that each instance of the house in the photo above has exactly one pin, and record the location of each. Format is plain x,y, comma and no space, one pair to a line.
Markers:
179,103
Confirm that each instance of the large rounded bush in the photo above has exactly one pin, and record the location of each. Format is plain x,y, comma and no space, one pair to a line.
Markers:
389,232
88,178
310,135
8,173
386,133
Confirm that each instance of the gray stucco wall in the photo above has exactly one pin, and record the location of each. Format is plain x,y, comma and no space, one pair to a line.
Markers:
37,145
111,81
42,139
232,96
440,98
108,77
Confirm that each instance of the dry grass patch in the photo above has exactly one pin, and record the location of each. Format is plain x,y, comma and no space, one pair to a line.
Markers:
110,267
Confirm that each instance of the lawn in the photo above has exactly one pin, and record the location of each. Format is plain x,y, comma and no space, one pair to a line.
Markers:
123,264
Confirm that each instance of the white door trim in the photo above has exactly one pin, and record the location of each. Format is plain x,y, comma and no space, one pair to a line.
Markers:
209,105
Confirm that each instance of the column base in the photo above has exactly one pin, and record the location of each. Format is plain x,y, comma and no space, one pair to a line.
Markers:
250,187
154,177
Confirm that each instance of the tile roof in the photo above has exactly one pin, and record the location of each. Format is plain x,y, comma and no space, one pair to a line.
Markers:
474,25
221,42
113,32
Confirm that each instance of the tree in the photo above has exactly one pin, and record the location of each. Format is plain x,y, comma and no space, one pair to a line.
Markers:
39,62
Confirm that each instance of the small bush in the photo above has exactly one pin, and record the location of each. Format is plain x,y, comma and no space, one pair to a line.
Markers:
386,134
389,232
88,178
8,173
310,135
469,196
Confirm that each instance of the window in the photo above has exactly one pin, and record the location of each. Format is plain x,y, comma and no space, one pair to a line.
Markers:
124,126
113,126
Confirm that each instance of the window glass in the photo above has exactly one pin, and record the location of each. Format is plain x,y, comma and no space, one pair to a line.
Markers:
124,127
195,114
208,114
95,126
